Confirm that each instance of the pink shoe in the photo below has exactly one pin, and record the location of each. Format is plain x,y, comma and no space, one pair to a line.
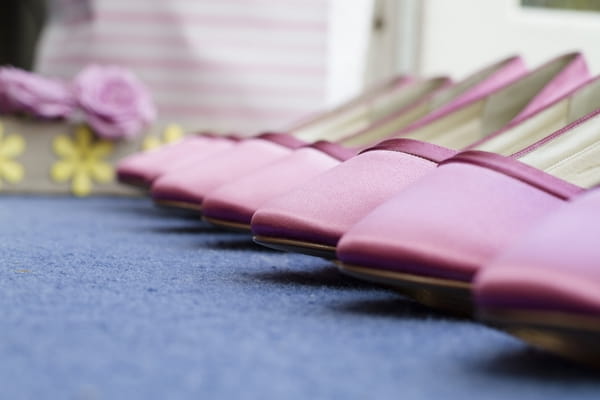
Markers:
545,289
141,169
187,185
431,239
234,203
185,188
311,218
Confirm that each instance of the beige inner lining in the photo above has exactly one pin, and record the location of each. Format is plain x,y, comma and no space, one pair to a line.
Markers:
349,119
383,130
469,124
573,156
581,103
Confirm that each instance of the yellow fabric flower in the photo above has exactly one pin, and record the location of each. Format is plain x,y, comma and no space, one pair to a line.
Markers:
171,134
82,161
11,146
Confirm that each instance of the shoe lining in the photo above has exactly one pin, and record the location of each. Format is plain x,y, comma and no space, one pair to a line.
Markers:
447,96
339,124
535,128
573,156
469,124
383,130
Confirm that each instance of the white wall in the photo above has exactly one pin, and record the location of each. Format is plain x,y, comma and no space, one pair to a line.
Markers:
348,41
460,35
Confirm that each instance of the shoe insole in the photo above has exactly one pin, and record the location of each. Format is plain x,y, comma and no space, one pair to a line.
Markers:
387,125
359,114
538,126
473,122
573,156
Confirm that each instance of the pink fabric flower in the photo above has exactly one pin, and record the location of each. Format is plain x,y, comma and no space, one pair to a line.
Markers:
115,102
23,91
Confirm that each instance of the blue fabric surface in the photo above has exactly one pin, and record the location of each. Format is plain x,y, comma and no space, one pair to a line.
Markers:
112,298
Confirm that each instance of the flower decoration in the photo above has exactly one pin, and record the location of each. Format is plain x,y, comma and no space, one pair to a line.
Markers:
112,101
115,103
171,134
82,161
11,146
24,92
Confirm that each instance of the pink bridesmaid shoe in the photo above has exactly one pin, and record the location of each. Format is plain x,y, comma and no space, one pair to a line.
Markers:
195,183
184,187
233,204
432,238
186,184
311,218
141,169
545,289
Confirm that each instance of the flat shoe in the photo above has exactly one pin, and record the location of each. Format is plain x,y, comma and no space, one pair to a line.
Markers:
546,288
188,185
185,187
233,203
316,214
445,228
141,169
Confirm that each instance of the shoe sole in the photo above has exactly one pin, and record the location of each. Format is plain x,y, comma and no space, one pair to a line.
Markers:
296,246
234,226
181,205
571,336
136,183
447,294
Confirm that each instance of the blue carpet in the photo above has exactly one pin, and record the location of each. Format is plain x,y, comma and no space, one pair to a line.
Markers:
112,298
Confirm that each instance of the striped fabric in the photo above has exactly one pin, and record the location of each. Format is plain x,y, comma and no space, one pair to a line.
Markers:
225,65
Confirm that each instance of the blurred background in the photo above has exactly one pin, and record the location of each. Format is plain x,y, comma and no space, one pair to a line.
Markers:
252,65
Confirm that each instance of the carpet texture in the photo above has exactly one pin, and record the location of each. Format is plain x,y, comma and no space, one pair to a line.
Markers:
110,298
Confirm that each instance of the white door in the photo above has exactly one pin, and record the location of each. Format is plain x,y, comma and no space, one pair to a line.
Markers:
457,36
